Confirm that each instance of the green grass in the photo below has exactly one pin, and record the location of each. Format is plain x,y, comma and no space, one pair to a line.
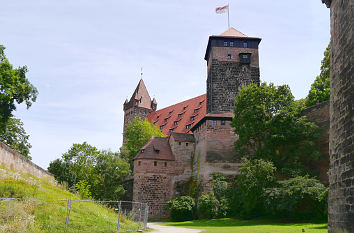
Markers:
39,216
227,225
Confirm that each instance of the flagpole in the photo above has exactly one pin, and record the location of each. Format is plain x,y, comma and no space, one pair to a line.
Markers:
228,15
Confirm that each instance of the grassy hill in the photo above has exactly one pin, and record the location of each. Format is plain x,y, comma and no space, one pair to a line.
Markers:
39,216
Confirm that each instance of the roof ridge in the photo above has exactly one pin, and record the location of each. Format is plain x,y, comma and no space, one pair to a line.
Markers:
180,102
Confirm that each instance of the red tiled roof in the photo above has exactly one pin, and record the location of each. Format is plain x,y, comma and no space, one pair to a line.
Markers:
182,113
156,148
232,32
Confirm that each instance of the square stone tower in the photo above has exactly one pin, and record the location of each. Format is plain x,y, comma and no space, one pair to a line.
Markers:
232,60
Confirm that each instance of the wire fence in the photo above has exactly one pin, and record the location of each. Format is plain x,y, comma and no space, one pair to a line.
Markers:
64,216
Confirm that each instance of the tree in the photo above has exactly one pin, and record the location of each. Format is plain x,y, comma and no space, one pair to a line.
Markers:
320,88
88,170
137,134
269,125
14,88
15,136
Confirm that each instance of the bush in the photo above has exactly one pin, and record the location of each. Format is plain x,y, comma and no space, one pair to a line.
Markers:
208,206
220,186
255,176
300,197
181,208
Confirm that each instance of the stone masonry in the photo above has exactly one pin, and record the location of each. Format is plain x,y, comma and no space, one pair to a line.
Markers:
341,150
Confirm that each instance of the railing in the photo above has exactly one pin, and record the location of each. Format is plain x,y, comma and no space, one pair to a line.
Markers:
61,215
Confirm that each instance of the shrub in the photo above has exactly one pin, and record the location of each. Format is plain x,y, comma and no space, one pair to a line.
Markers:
255,176
83,188
181,208
299,197
220,186
208,206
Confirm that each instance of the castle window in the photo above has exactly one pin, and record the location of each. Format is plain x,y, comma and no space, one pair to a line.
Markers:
165,164
161,127
180,115
225,43
245,58
245,44
187,144
175,123
188,126
213,122
231,43
192,118
155,163
228,56
196,110
139,163
222,122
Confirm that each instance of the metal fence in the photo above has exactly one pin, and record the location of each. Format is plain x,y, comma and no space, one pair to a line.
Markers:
71,216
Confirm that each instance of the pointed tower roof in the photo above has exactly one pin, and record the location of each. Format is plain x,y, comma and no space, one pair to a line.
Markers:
141,95
232,32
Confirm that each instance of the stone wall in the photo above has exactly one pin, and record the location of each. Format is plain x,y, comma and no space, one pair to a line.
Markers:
319,113
131,113
341,150
15,161
215,152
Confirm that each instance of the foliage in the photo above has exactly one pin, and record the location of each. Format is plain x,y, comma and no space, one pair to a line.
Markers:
220,186
137,133
14,88
268,123
102,171
181,208
299,197
320,88
228,225
255,176
83,189
15,136
208,206
16,188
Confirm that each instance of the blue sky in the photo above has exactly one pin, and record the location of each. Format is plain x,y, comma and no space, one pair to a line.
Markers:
85,57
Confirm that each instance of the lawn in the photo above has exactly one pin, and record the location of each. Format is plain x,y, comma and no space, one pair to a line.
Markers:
250,226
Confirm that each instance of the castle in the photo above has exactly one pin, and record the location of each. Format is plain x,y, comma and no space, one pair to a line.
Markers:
200,140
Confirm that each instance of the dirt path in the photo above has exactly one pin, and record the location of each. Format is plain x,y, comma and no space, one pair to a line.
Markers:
165,229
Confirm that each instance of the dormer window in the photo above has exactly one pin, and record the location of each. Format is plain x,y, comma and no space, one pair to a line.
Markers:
142,150
170,113
161,127
180,115
196,110
188,126
192,118
185,107
166,119
171,130
175,123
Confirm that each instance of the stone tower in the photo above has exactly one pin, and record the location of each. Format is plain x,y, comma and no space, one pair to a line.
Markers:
232,60
341,149
139,105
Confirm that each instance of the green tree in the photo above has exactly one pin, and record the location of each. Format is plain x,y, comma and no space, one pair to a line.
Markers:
320,88
15,136
269,125
137,134
255,176
91,171
14,88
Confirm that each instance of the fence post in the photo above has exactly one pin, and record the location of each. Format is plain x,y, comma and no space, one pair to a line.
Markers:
141,207
67,216
146,216
119,211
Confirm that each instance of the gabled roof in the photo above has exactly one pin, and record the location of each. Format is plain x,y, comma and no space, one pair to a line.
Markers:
182,137
141,95
232,32
156,148
186,114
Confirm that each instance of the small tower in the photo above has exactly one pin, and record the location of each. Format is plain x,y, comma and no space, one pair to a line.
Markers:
232,60
139,105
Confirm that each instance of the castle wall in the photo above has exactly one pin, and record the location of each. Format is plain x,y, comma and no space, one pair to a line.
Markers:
215,152
341,173
131,113
153,185
14,160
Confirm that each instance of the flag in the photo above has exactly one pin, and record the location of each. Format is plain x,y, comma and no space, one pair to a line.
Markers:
221,10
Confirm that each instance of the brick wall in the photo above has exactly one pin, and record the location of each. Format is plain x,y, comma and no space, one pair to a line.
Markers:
13,160
341,176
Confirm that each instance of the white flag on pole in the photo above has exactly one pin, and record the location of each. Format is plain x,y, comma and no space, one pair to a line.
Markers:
223,9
